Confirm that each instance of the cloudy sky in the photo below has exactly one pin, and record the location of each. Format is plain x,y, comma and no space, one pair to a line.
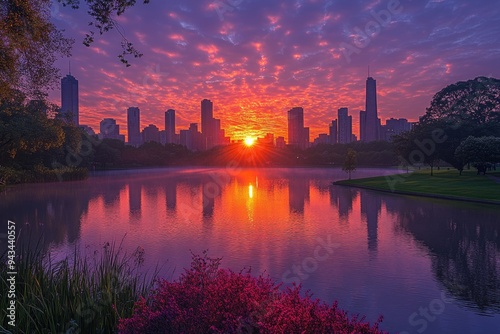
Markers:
256,59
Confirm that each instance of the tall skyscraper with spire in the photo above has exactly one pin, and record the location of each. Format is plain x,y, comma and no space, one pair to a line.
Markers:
69,99
369,130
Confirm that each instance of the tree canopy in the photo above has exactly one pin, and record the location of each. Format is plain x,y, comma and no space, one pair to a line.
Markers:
479,151
30,43
474,101
456,112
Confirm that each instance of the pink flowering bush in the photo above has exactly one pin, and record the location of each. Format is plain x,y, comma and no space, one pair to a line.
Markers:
207,299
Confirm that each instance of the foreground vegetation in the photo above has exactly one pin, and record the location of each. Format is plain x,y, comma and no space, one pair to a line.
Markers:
106,294
444,183
79,294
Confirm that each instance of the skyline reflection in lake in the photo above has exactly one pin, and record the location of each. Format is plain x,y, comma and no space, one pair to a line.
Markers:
376,253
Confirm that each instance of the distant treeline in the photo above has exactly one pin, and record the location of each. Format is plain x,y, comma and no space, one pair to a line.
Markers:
115,154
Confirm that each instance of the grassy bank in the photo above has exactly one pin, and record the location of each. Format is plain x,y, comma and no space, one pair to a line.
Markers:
444,184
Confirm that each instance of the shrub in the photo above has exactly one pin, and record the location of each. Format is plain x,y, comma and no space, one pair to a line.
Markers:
206,299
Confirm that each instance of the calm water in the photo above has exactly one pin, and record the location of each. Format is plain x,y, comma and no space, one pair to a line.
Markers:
427,265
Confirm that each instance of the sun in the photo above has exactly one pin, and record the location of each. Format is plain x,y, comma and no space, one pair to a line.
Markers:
249,141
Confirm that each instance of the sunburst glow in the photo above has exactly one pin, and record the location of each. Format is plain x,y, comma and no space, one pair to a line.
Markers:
249,141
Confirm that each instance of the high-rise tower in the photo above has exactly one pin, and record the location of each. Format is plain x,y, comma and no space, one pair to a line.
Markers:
134,126
207,123
297,135
371,126
69,99
170,126
344,126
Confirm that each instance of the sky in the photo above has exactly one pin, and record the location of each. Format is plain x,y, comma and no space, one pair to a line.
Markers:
256,59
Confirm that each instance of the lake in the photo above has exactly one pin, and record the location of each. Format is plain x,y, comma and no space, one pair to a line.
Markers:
426,265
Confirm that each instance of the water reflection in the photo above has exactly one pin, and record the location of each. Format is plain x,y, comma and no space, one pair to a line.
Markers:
171,195
370,210
342,199
135,198
249,211
464,244
298,194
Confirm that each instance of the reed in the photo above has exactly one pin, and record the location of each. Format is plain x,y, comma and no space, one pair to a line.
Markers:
79,294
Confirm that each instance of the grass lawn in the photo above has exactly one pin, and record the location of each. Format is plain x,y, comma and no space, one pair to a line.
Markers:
444,183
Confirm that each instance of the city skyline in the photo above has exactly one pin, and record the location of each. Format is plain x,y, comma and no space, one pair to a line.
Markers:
256,60
208,133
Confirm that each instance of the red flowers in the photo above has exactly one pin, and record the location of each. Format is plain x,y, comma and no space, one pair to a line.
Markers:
207,299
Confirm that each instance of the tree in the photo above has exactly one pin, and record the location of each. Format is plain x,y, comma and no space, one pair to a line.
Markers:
350,162
419,145
26,132
471,102
457,111
29,46
480,152
30,43
108,152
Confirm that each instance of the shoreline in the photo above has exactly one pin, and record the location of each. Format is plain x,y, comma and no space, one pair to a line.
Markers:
349,183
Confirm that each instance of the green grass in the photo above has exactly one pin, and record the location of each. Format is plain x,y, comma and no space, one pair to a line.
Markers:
444,183
79,294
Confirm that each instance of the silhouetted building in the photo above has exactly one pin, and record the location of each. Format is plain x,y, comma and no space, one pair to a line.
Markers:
297,135
370,129
163,137
344,126
151,133
280,142
134,126
192,138
207,123
170,126
362,125
333,132
267,140
69,99
110,130
394,127
322,138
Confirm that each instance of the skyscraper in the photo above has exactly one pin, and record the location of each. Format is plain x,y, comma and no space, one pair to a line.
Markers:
108,129
333,132
344,126
207,123
69,99
371,125
297,135
362,125
151,133
134,126
170,126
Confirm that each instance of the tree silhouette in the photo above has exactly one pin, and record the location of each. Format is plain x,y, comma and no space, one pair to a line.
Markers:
350,162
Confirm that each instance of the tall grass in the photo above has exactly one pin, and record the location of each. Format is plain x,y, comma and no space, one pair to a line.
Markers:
79,294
